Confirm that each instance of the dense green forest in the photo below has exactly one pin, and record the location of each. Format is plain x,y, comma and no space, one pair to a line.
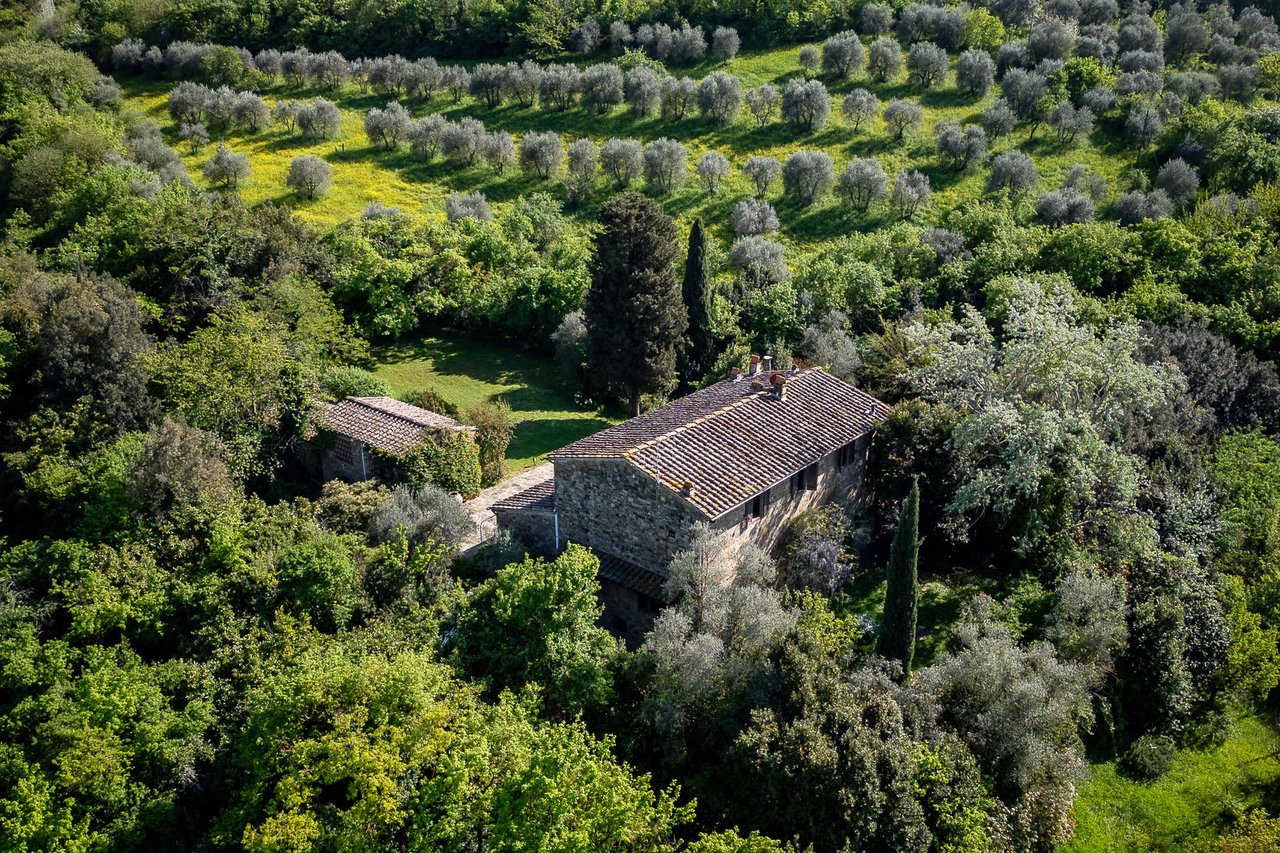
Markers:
1045,232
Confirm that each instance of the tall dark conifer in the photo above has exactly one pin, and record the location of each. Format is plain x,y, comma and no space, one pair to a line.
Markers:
698,354
898,634
634,314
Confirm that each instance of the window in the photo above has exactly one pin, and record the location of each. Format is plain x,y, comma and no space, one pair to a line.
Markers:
805,479
846,455
756,506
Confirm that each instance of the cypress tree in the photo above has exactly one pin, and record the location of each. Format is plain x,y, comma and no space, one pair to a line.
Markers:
898,633
698,354
634,315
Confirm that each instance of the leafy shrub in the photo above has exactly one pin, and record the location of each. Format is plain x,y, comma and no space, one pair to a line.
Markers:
343,382
426,514
449,459
1149,757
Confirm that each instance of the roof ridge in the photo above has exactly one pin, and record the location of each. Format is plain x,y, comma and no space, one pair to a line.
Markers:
363,402
626,454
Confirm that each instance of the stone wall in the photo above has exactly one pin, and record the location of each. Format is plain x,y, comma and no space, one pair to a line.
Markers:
834,485
534,527
610,505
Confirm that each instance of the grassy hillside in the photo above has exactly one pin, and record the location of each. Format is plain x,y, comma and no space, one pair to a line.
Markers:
1186,808
365,173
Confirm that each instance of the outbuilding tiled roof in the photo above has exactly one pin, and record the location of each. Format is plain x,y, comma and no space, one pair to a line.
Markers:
540,496
384,422
631,576
734,439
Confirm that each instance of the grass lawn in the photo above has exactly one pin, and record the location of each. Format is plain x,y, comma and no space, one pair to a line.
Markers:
365,173
466,371
1187,808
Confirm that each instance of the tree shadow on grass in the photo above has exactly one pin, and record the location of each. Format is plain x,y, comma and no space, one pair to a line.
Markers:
539,436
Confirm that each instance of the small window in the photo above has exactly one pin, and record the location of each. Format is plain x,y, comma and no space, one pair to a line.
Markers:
757,506
846,455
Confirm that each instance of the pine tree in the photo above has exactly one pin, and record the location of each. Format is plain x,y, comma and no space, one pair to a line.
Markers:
898,633
698,353
634,314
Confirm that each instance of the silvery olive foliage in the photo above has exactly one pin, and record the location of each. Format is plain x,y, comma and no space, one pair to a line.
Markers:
1044,402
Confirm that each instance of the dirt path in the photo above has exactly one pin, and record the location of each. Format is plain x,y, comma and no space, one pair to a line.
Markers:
478,507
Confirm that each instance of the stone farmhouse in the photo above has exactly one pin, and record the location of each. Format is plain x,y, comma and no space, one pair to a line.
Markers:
744,456
360,425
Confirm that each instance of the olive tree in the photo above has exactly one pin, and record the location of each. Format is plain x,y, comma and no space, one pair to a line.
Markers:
808,59
884,59
1143,125
725,43
665,165
998,119
927,64
806,104
541,153
1179,180
975,73
876,18
387,126
762,103
467,205
584,162
911,192
759,263
843,54
961,145
309,176
860,107
862,181
463,141
679,96
1065,206
226,167
1014,173
499,150
807,176
720,97
763,172
320,119
642,89
712,168
753,217
902,115
602,88
622,160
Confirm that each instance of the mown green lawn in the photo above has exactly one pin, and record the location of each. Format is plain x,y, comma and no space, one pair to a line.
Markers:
1187,808
466,370
365,173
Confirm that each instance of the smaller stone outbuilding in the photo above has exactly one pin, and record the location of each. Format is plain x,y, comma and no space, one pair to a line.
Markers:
360,425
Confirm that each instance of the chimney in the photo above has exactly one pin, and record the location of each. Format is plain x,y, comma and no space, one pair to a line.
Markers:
754,369
686,490
735,374
768,363
778,384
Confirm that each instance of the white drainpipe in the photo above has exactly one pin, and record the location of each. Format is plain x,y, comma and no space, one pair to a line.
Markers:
364,475
555,517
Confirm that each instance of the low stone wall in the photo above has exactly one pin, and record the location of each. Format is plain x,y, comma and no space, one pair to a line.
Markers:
534,527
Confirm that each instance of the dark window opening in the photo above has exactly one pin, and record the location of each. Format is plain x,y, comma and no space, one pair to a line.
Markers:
756,506
846,455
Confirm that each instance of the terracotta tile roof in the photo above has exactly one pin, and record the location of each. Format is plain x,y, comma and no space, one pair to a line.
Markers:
734,439
383,422
631,576
540,496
